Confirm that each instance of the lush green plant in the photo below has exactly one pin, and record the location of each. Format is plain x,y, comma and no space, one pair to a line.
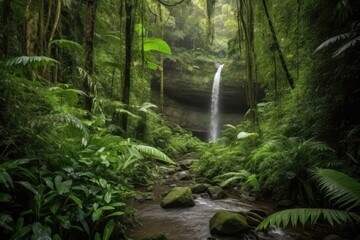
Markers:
286,160
341,191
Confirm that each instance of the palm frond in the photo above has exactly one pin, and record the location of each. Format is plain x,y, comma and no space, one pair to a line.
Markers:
340,188
332,40
153,152
306,216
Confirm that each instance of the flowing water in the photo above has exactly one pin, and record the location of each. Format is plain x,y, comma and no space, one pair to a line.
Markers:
190,223
214,124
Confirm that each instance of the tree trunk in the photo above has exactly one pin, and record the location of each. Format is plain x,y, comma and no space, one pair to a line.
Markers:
127,70
31,18
6,26
89,51
161,62
277,46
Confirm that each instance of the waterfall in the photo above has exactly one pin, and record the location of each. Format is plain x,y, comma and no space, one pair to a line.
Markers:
214,125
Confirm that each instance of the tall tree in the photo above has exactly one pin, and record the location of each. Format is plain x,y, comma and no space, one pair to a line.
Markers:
245,19
31,28
129,30
277,46
6,26
89,51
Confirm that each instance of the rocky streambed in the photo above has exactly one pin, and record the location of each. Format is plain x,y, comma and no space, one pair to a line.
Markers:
179,209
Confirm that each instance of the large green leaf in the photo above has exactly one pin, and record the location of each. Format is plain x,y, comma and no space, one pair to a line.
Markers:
341,189
156,44
109,228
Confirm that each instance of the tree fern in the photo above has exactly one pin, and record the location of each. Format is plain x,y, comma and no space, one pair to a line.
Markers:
332,40
341,189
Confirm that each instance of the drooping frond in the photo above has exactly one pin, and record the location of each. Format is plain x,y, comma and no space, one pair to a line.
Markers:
68,44
346,46
153,152
332,40
65,118
30,61
230,177
341,189
306,216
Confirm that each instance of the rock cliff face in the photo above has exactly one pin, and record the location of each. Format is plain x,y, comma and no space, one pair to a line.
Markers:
188,99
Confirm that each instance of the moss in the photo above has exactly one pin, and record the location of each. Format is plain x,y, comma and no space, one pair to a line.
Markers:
228,223
178,197
216,192
200,188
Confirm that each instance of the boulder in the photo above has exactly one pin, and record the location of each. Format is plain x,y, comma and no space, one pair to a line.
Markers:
178,197
156,236
228,223
199,188
216,192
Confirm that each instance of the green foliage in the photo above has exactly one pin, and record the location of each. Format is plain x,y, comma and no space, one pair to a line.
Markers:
156,44
286,160
338,187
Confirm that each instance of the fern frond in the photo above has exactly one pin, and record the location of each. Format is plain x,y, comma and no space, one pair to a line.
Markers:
65,118
230,177
346,46
306,216
340,188
68,44
30,61
153,152
332,40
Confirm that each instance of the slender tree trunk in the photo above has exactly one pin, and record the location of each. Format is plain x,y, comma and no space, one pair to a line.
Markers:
277,46
31,18
41,28
161,62
89,51
6,26
127,70
52,34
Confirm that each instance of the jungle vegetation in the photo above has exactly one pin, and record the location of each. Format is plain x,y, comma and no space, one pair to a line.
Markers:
79,130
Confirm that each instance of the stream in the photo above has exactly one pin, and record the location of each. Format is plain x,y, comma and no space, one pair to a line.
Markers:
191,223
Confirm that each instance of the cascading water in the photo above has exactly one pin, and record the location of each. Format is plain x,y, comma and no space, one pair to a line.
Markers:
214,125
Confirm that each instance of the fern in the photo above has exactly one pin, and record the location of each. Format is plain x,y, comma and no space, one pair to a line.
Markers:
65,118
153,152
68,44
332,40
338,187
306,216
30,61
227,178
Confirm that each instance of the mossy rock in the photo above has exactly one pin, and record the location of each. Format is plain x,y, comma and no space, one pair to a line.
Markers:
178,197
156,236
216,192
199,188
228,223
